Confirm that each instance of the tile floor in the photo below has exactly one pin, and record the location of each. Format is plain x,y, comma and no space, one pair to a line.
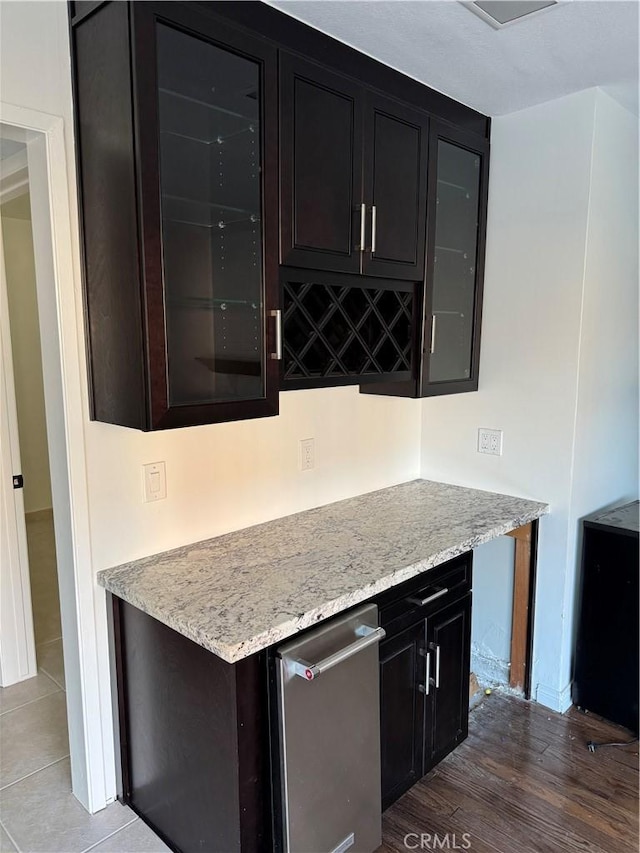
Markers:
38,812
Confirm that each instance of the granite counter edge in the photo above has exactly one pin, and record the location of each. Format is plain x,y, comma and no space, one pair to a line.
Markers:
234,652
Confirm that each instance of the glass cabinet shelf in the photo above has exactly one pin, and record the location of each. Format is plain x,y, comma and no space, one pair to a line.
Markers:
220,139
451,249
207,214
202,303
214,107
211,204
443,183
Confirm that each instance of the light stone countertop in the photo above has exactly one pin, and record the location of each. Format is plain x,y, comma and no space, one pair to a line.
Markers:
239,593
625,517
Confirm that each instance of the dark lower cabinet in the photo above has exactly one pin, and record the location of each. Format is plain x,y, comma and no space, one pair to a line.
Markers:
198,736
606,663
447,706
424,676
401,711
194,738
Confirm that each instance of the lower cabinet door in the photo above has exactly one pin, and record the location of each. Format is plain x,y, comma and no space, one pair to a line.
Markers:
447,711
402,710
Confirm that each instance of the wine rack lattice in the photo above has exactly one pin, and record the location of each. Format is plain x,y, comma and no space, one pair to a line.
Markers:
335,331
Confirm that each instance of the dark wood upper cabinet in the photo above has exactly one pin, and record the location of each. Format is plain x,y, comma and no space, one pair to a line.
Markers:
395,188
177,151
353,176
459,170
264,208
321,173
450,318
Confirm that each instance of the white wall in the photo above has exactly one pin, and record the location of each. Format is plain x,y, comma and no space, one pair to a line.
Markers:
227,476
605,461
534,351
27,357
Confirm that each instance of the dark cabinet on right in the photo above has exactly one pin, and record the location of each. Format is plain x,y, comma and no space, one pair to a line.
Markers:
424,674
606,662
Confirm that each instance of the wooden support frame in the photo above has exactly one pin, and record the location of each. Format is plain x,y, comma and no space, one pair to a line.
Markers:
524,583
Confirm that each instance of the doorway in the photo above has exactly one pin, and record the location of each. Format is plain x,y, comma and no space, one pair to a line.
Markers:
30,415
83,623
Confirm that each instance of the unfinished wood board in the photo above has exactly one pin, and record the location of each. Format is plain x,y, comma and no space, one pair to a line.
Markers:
520,618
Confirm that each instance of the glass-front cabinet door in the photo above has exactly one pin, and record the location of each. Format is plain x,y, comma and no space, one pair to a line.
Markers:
211,291
458,175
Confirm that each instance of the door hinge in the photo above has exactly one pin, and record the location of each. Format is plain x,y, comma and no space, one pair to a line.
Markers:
18,481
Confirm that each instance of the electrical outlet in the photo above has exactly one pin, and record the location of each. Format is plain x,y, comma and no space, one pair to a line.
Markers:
307,454
490,441
155,481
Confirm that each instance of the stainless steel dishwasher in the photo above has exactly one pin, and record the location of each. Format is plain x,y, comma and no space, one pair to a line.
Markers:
329,736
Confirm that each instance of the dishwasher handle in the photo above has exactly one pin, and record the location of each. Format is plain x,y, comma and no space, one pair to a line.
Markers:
367,637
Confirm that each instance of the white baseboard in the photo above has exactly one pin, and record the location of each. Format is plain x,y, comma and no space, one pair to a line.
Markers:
557,700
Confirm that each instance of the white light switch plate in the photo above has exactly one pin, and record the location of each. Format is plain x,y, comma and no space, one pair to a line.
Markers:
490,441
155,481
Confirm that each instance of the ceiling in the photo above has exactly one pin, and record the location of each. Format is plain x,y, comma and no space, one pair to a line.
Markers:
572,46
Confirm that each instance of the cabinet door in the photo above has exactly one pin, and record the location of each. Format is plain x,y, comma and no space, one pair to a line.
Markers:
395,174
458,176
402,673
321,171
606,663
207,150
449,642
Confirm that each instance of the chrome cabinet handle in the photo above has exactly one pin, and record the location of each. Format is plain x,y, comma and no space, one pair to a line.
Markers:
422,601
437,667
424,688
373,229
310,671
363,220
277,314
433,334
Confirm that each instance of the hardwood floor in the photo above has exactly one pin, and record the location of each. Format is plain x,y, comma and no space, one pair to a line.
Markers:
524,781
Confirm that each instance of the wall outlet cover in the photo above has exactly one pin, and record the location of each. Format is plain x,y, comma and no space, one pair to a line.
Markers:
490,441
307,455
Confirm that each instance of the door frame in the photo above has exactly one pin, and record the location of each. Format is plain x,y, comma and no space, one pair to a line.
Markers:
84,618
